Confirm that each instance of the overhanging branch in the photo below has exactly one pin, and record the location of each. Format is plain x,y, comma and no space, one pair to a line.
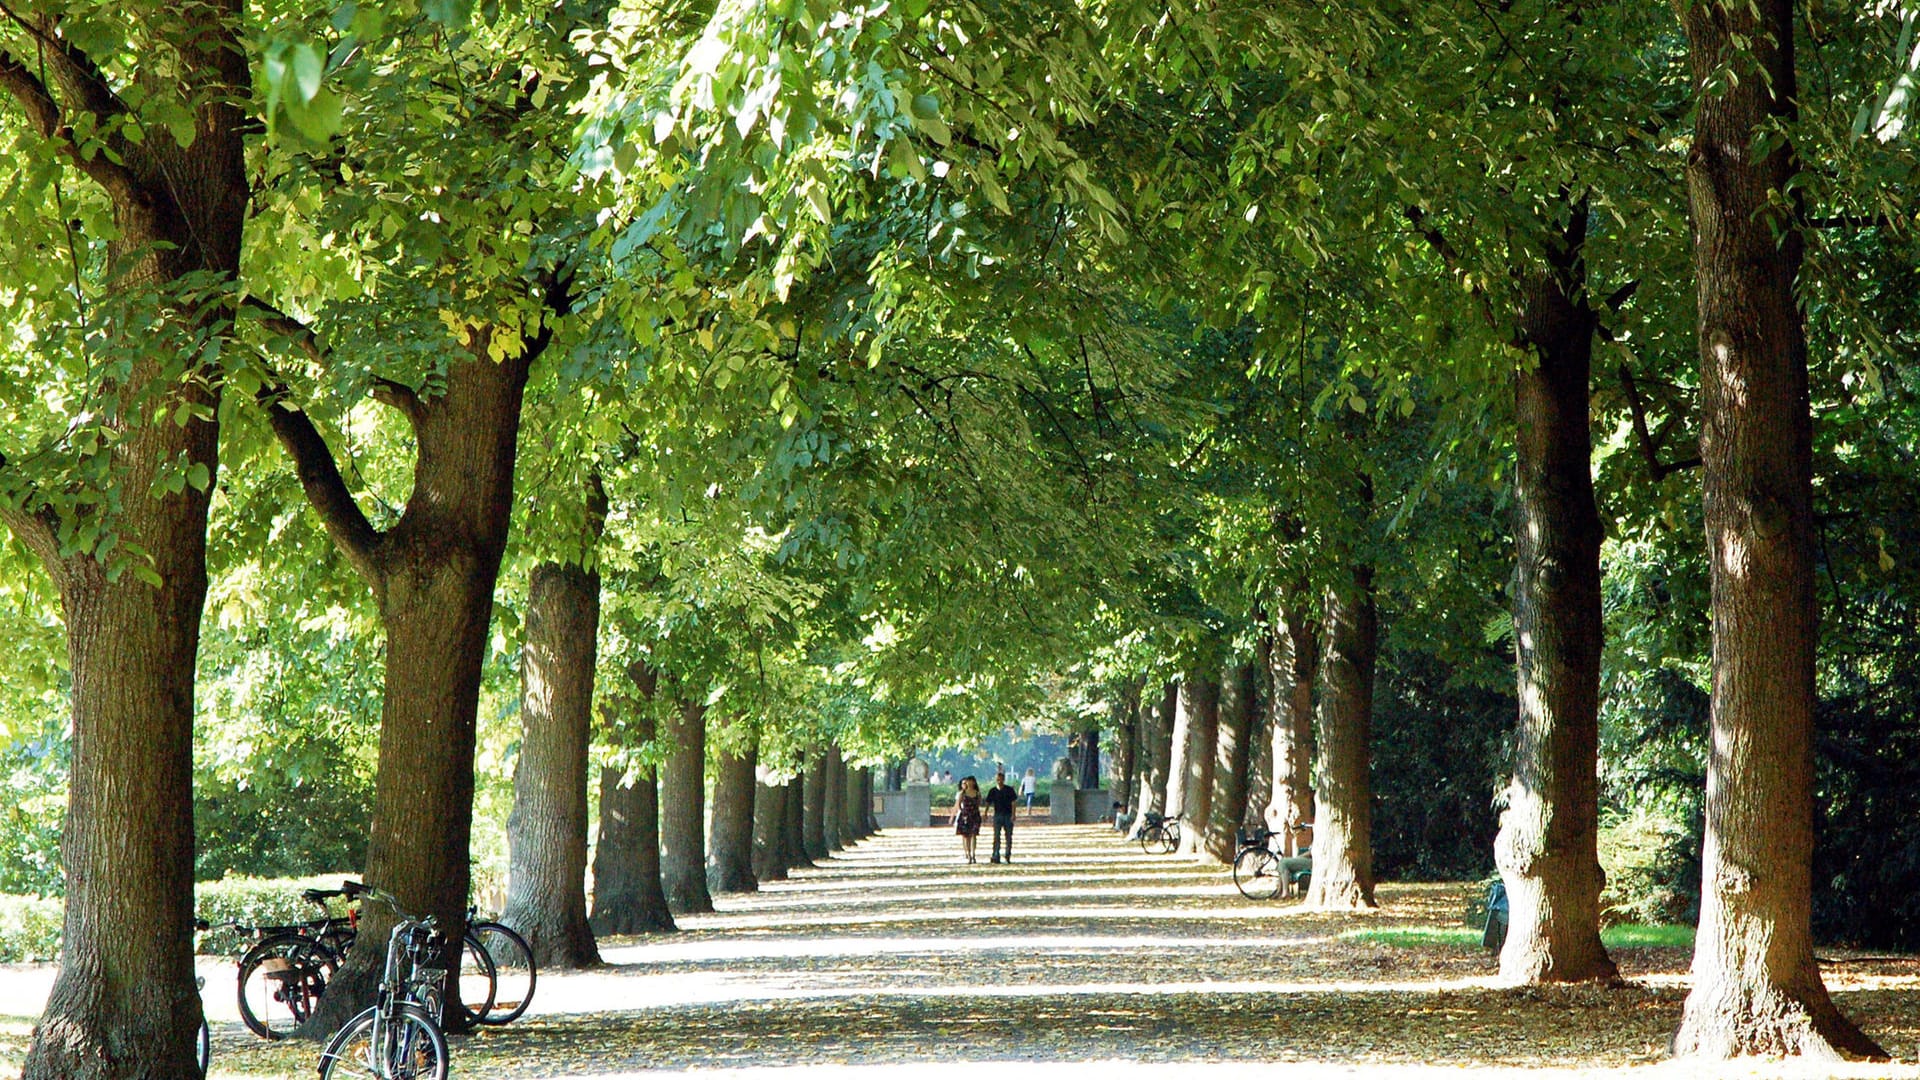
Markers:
1650,444
36,526
320,478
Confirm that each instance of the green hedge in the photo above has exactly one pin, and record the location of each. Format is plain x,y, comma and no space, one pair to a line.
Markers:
30,926
256,902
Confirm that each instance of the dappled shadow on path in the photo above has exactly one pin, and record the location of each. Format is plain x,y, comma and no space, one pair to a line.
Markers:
1086,949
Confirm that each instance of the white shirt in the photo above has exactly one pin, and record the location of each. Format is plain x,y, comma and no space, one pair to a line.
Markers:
1026,785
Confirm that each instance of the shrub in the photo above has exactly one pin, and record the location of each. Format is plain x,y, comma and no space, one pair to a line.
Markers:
1652,864
29,928
254,901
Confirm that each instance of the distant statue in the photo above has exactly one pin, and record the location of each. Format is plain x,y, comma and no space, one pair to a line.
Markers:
916,771
1063,770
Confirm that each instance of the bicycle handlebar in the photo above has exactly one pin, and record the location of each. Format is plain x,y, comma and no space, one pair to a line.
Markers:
354,890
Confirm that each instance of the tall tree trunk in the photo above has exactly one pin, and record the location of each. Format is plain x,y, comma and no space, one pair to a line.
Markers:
123,1003
1547,849
769,825
1157,724
1294,670
793,823
1757,989
547,830
868,819
683,810
1260,735
433,576
1179,751
833,813
814,822
730,863
1343,797
1126,738
1239,702
628,897
1086,757
1200,708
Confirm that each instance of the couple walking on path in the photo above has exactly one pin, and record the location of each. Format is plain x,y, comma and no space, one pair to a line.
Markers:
966,815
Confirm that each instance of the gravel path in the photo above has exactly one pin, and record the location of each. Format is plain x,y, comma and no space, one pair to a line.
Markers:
1085,957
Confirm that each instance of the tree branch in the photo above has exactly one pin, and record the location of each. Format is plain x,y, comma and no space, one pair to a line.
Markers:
24,86
1451,257
387,392
36,527
325,488
1649,444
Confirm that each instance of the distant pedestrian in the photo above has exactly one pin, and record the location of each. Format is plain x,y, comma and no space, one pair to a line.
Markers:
1000,798
966,816
1028,786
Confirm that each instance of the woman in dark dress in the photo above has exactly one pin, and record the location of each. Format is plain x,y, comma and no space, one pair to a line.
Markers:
966,815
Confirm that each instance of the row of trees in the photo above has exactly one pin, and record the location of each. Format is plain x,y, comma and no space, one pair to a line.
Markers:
785,378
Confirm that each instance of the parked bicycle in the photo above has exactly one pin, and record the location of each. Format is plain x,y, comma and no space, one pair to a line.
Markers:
1260,872
283,975
496,947
202,1039
1161,834
399,1036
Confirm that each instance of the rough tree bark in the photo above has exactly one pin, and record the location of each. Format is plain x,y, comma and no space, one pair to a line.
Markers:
1179,749
730,862
547,830
793,824
1157,726
123,1004
864,822
1342,794
628,897
1239,704
1260,735
1200,709
769,825
433,575
1126,737
814,819
1294,669
1548,847
833,811
683,809
1757,989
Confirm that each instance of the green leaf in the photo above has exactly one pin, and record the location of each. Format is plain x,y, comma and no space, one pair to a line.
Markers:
319,119
307,71
448,12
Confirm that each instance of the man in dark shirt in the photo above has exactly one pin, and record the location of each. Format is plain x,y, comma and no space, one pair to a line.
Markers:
1000,797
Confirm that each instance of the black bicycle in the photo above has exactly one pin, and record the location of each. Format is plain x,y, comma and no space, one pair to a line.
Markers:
283,975
1259,872
1161,835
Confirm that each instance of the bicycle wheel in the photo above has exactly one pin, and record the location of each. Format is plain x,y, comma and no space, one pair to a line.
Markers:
514,971
281,980
203,1046
1256,873
479,981
411,1048
1160,839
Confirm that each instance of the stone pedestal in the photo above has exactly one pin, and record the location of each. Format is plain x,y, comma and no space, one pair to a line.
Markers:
907,809
1063,804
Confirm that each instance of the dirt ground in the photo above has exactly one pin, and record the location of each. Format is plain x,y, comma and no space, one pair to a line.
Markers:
1084,957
